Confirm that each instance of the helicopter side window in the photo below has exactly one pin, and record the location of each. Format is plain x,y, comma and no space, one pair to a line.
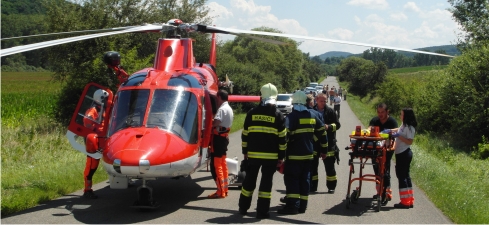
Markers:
129,109
175,111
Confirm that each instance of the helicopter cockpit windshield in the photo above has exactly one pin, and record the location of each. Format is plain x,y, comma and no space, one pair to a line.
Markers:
171,110
129,109
175,111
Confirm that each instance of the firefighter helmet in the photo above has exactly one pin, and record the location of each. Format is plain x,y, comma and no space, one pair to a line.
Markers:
299,97
269,94
100,95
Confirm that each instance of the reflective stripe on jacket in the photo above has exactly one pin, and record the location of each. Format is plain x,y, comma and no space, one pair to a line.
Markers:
303,128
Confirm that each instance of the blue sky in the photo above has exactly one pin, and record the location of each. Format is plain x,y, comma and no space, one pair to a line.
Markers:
405,24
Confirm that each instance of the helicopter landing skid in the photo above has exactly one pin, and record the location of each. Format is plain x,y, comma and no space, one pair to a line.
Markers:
145,198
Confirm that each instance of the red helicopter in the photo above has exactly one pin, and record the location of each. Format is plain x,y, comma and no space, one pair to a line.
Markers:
158,124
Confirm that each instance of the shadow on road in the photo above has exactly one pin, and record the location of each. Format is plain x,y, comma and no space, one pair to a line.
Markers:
169,193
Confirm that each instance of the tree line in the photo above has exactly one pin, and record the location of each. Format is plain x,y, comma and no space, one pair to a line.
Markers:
390,58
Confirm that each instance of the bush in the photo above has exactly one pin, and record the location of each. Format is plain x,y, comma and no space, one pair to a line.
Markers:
465,96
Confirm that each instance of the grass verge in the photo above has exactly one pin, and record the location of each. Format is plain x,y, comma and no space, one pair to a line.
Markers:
238,122
456,183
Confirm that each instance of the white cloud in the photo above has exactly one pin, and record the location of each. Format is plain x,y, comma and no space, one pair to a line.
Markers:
425,31
370,4
411,6
398,17
341,33
218,11
249,15
437,14
374,18
249,7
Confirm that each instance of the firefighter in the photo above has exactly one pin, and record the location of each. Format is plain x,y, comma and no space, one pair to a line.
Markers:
315,161
303,127
331,124
94,121
263,144
220,140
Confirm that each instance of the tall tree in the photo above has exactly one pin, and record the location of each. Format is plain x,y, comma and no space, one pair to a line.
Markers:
473,16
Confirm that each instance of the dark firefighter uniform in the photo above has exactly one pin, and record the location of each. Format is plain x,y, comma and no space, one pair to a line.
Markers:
304,126
264,144
331,119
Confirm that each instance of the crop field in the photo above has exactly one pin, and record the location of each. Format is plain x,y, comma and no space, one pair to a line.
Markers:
416,69
27,96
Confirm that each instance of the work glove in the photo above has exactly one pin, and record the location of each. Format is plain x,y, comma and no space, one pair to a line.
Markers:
395,134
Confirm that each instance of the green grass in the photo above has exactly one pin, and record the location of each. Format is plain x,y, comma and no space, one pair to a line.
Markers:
456,183
238,122
416,69
38,163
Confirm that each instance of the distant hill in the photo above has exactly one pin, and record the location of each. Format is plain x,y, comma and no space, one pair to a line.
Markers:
449,49
334,54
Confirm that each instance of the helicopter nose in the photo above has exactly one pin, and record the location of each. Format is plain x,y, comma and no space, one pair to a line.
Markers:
138,151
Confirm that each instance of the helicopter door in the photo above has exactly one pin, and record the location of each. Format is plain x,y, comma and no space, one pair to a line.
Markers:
82,124
207,121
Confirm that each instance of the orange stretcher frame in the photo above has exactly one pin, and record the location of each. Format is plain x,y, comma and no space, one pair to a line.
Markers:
362,149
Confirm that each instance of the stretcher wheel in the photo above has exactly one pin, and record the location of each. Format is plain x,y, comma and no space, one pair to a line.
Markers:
354,196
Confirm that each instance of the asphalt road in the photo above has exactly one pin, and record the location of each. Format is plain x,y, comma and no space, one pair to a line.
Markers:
184,200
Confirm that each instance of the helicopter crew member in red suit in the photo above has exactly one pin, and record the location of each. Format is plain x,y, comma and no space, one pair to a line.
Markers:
263,144
96,124
220,140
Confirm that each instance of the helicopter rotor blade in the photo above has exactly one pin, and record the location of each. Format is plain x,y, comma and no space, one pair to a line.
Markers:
68,32
24,48
212,29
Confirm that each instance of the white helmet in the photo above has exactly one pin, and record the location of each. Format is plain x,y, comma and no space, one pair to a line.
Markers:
100,95
269,94
299,97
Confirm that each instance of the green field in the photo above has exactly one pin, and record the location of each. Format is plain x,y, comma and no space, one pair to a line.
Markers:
416,69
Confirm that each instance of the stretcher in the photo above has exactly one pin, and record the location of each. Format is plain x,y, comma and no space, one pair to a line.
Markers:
362,149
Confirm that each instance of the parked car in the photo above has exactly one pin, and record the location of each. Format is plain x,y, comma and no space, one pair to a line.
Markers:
284,103
313,84
319,88
308,90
